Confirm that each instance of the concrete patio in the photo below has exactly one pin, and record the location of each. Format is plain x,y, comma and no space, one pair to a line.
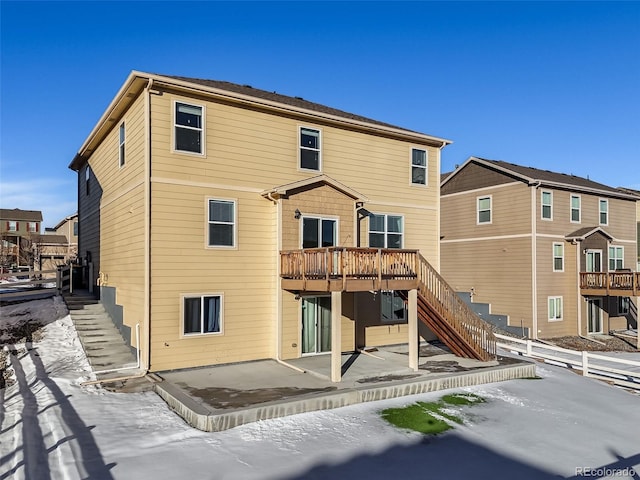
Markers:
222,397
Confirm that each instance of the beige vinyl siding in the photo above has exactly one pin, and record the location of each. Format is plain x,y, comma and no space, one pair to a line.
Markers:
557,284
499,271
244,275
111,225
254,149
510,213
475,177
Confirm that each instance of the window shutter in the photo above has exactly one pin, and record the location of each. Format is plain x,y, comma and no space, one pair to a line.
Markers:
7,226
37,227
17,226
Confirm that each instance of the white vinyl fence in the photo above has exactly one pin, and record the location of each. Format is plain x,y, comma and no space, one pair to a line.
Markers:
620,371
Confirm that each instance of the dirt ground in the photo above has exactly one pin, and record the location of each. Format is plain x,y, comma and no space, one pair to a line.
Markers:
27,331
611,344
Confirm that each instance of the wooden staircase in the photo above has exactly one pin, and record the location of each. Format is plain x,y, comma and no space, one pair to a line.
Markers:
450,318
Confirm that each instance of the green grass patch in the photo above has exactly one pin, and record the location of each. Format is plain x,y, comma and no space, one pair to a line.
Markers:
430,418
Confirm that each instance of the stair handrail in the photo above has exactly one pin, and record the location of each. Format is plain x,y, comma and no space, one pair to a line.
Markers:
443,298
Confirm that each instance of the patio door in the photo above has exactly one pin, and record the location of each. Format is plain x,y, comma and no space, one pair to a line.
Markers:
594,260
316,325
319,232
594,315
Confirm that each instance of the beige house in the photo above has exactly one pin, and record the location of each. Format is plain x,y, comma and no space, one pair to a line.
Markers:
554,252
59,245
18,230
234,224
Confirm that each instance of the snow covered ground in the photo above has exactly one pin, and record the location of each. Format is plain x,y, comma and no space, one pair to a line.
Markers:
53,428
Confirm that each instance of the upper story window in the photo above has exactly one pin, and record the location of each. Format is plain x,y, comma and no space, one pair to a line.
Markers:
202,314
547,205
188,128
558,257
616,258
75,229
386,231
418,166
32,227
310,149
121,143
87,178
604,211
12,226
575,208
484,209
222,223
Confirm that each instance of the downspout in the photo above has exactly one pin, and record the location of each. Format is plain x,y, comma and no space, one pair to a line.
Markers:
579,299
278,292
534,258
147,223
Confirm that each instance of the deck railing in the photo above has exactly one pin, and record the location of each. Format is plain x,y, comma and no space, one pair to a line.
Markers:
348,263
611,282
443,298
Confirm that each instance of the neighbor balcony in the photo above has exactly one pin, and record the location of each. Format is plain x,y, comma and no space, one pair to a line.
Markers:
617,284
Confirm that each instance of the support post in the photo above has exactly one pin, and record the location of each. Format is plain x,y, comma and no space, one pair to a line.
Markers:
336,336
413,329
585,364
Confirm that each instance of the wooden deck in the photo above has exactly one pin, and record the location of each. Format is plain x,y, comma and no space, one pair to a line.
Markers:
616,284
336,269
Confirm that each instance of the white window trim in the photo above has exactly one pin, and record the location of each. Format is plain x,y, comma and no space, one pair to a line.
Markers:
235,224
122,145
203,129
542,205
481,197
616,257
386,245
300,147
426,167
606,201
579,197
553,255
554,298
184,296
318,217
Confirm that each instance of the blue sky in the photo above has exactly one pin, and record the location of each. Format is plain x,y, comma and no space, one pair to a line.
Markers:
553,85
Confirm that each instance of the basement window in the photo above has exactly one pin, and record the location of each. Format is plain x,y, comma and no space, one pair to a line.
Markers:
202,314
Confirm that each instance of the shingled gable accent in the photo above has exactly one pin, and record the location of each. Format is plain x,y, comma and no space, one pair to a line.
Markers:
581,234
282,190
547,178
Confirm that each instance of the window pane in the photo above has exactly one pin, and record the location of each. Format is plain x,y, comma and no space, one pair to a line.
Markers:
575,215
376,240
328,233
484,204
188,140
394,224
221,211
310,232
122,133
394,241
376,223
546,198
484,216
188,115
558,308
557,263
419,157
221,235
211,314
418,175
557,250
192,315
546,211
309,159
552,309
309,138
575,202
